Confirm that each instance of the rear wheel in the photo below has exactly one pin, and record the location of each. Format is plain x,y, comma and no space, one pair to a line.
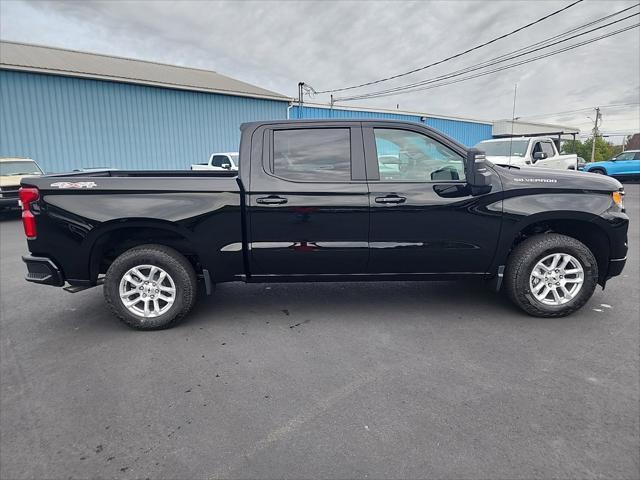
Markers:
150,287
551,275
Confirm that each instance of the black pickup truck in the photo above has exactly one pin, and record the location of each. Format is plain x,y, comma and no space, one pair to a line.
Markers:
320,201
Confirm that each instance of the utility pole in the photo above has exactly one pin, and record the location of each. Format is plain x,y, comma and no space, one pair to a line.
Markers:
300,85
595,134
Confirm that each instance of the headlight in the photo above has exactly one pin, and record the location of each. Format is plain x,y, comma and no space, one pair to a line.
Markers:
618,198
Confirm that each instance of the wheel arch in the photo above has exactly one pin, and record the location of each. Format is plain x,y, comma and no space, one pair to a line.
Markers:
582,226
114,238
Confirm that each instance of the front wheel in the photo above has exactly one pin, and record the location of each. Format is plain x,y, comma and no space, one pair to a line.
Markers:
551,275
599,171
150,287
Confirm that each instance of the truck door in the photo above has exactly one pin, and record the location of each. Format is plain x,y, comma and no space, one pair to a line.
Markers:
309,205
423,216
544,146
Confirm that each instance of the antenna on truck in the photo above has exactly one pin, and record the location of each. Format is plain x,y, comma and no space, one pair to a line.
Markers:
513,119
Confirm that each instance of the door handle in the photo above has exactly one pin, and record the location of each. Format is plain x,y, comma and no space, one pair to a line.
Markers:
391,199
271,200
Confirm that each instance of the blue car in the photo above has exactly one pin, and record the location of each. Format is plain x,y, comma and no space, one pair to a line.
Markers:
624,166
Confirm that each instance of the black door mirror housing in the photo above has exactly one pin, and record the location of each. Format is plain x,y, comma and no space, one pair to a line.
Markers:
226,166
539,156
478,174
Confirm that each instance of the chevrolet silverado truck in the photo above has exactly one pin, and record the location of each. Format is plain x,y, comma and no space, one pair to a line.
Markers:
326,201
528,152
219,161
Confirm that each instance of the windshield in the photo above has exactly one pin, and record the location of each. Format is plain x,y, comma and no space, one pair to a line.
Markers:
19,168
518,148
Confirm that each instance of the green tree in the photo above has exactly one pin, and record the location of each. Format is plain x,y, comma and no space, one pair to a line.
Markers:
604,150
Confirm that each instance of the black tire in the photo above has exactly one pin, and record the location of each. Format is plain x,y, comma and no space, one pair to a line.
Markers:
172,262
599,171
528,253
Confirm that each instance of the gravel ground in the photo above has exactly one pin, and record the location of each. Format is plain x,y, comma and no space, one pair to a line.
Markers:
402,380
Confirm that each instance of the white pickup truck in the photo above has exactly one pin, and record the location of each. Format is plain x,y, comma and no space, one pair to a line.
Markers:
219,161
527,151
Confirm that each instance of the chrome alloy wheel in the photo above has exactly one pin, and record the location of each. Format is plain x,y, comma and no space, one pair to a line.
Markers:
147,291
556,279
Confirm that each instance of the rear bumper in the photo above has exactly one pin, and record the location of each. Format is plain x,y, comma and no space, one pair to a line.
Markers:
9,202
43,270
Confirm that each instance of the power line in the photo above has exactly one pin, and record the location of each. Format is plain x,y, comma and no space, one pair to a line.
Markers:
602,107
487,63
453,56
410,88
470,77
494,61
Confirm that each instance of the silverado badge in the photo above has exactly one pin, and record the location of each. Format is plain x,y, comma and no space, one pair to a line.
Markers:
74,184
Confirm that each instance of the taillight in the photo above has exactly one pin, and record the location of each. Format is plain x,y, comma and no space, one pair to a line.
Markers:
28,195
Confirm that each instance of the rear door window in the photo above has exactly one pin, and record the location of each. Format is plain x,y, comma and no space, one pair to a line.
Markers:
314,155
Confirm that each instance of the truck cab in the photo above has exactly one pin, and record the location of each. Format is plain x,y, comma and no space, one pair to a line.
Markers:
219,162
527,151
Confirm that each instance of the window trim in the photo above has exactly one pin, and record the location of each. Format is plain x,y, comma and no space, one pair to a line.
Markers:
371,154
357,167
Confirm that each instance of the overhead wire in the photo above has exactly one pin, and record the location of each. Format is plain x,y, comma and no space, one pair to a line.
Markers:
410,87
457,55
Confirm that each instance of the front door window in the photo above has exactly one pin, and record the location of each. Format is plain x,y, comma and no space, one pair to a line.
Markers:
406,156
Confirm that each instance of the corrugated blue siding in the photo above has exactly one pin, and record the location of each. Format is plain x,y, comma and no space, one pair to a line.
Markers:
66,123
467,133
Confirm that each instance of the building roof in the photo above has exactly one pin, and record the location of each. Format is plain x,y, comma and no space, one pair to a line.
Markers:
72,63
356,108
508,128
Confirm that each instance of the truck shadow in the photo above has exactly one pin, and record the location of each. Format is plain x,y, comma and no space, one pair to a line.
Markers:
349,302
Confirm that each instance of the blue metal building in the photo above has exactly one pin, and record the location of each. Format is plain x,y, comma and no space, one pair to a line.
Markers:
466,131
70,110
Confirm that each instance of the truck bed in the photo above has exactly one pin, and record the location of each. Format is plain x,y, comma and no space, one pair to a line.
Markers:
81,210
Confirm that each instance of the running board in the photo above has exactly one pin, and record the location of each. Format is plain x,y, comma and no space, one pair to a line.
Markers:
80,288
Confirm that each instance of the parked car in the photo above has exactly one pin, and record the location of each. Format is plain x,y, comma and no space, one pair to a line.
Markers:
219,161
311,204
625,165
12,170
581,163
527,151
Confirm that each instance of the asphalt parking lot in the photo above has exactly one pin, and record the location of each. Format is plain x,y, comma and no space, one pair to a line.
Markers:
364,380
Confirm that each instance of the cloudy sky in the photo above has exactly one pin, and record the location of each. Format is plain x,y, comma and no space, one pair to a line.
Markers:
333,44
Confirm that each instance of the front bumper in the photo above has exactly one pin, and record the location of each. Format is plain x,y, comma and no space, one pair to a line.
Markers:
616,265
43,270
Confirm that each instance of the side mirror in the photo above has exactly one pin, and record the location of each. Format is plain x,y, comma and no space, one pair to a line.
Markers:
226,166
478,175
539,156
